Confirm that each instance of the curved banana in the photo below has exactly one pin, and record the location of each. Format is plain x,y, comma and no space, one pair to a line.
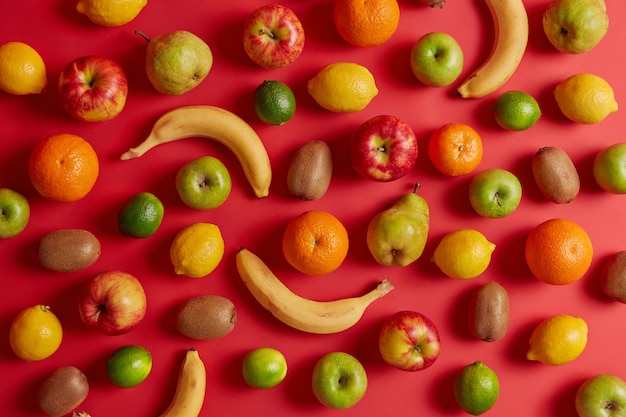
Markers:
511,37
190,389
320,317
218,124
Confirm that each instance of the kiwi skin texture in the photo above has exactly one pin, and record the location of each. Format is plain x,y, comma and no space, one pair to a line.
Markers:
310,171
62,391
613,277
488,315
555,175
206,317
68,250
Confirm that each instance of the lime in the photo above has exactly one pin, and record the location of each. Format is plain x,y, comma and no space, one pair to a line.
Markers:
129,366
274,102
264,367
22,70
197,250
558,340
585,98
516,110
463,254
141,216
476,388
35,333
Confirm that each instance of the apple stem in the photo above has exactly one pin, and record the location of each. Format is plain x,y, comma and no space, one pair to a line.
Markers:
498,199
267,32
143,35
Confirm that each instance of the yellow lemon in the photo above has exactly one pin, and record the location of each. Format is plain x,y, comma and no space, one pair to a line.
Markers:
22,70
585,98
35,333
463,254
197,250
343,87
110,12
558,340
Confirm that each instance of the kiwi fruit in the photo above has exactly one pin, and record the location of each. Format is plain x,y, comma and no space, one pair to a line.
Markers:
555,175
613,276
62,391
68,250
310,171
206,317
488,316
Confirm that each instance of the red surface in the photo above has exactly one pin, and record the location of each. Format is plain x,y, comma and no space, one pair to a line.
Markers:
528,388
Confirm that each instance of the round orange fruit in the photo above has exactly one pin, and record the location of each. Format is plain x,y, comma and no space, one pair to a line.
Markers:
455,149
558,251
63,167
315,242
366,23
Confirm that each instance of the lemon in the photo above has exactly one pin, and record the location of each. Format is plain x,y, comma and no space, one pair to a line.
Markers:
22,70
343,87
110,12
558,340
476,388
129,366
264,367
35,333
585,98
463,254
516,110
274,102
197,250
140,216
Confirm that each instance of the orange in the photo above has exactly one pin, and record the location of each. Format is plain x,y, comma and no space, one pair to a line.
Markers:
455,149
63,167
315,242
366,22
558,251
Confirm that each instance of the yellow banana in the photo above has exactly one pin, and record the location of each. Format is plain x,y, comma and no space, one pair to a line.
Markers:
218,124
320,317
511,37
191,388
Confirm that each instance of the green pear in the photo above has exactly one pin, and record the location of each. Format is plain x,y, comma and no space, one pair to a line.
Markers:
397,235
177,62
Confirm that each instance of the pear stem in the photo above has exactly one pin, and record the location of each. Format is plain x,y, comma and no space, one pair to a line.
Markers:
417,187
143,35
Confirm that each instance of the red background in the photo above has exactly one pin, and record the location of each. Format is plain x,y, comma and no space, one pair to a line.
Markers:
60,34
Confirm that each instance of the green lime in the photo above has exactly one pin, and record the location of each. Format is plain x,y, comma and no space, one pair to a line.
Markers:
141,216
129,366
476,388
516,110
264,367
274,102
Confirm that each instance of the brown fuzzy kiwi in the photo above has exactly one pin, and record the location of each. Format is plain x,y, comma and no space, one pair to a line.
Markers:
206,317
613,276
62,391
67,250
488,316
310,171
555,175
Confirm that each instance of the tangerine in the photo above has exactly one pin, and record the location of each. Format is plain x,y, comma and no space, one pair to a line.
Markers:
558,251
315,242
455,149
63,167
366,23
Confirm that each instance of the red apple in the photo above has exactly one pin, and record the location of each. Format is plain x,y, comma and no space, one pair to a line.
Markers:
273,36
112,302
93,88
409,341
384,148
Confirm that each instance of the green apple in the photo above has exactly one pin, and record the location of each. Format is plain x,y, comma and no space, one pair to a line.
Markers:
575,26
609,168
436,59
339,380
495,193
602,395
203,183
14,213
397,235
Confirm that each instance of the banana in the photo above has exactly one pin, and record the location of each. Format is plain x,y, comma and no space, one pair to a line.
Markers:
218,124
320,317
190,389
511,38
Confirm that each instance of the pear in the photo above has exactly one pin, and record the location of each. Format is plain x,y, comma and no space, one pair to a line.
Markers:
397,235
176,62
